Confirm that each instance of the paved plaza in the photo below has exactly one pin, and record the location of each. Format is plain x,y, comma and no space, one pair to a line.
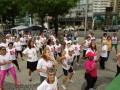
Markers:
104,76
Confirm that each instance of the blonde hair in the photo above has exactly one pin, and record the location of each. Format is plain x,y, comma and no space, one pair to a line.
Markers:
44,52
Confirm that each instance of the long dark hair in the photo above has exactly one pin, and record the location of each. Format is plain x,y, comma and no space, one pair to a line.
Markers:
93,48
29,43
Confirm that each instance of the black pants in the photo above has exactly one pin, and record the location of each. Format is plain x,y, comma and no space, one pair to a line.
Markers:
90,81
118,70
108,55
84,54
102,62
20,52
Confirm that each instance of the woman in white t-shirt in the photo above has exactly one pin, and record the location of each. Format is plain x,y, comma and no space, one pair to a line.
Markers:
38,44
76,48
51,47
103,54
58,48
85,45
31,55
51,82
66,60
18,48
6,65
12,53
47,61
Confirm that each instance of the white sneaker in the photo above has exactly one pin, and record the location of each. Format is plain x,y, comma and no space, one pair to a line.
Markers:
91,89
70,81
73,71
63,86
77,64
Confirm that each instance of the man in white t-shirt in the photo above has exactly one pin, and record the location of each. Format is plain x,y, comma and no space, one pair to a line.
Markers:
51,82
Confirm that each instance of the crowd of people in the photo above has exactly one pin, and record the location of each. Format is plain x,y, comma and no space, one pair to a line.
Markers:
51,51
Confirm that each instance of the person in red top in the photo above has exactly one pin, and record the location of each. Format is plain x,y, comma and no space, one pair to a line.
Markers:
91,71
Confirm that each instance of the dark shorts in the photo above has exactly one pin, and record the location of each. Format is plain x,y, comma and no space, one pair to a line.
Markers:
32,65
114,45
67,71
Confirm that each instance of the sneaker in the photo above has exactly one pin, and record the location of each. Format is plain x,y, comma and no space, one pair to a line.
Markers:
70,81
63,86
73,71
91,89
30,79
77,64
1,88
17,84
19,70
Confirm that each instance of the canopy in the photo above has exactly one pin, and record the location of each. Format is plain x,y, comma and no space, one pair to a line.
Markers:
32,28
21,27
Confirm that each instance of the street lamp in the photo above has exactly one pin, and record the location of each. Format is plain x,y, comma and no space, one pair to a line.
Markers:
86,14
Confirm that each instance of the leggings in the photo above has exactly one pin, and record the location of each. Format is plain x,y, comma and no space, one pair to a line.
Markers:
3,74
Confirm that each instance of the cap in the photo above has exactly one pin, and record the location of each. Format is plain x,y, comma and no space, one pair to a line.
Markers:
74,41
90,54
70,49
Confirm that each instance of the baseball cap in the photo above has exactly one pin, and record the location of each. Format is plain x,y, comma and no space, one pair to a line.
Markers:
70,49
90,54
74,41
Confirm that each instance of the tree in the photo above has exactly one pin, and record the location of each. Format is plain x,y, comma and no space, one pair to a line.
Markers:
59,8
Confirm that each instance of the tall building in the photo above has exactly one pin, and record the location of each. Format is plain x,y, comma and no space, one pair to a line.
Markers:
100,5
116,6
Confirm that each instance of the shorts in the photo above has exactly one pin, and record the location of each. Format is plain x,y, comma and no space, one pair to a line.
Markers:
115,45
32,65
66,71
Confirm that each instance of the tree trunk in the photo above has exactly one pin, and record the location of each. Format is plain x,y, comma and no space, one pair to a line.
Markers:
56,25
13,21
1,22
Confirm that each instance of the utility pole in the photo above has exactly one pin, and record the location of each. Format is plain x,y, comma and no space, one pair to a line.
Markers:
86,15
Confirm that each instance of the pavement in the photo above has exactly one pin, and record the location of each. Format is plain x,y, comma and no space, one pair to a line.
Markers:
104,76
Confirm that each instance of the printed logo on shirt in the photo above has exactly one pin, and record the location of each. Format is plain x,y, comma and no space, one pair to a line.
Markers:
75,48
52,49
12,52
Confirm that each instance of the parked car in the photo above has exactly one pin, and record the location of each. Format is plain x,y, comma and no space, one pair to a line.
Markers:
111,28
69,28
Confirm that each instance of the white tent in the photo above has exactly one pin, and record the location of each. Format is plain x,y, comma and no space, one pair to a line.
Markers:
17,28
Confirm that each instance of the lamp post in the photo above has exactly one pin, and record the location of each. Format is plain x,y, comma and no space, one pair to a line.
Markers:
86,14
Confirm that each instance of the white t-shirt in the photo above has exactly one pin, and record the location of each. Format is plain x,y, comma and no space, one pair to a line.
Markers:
23,41
43,39
104,47
76,49
65,39
32,54
114,40
86,45
38,43
46,86
58,48
68,60
94,52
42,64
11,53
12,39
17,46
52,50
3,59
